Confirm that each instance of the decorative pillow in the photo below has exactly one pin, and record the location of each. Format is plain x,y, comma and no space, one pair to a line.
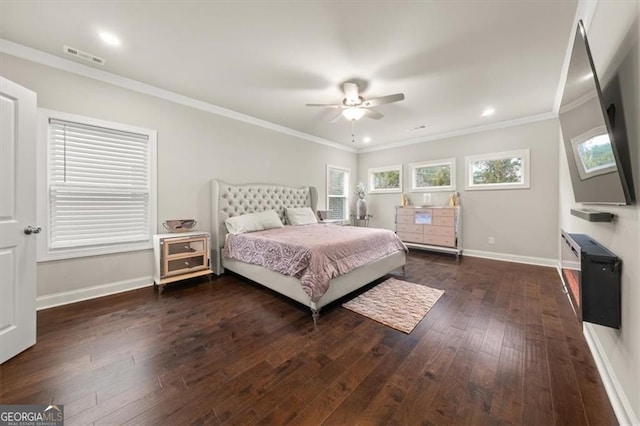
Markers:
301,216
253,222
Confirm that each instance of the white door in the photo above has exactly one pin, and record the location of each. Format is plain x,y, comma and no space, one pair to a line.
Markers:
17,212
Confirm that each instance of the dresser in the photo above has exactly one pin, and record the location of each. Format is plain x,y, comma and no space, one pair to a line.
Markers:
430,228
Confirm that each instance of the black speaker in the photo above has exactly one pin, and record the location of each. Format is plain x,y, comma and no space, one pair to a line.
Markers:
597,296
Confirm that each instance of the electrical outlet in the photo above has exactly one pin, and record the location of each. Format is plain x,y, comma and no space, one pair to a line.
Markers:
492,240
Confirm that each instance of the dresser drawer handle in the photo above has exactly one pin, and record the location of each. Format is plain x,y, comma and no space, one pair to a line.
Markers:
186,263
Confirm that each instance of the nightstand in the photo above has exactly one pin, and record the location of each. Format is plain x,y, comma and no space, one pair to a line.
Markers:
179,256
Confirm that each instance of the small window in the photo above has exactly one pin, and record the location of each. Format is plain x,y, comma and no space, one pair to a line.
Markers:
99,189
501,170
385,179
338,192
593,153
438,175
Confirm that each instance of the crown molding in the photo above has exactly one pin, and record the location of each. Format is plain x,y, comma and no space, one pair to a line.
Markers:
462,132
43,58
586,10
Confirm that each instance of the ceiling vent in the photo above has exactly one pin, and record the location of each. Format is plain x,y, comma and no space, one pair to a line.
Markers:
83,55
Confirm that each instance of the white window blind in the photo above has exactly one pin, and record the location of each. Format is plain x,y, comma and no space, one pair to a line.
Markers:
338,192
99,185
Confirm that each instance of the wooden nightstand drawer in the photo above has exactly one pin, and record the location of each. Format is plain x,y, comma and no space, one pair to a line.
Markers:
185,265
186,246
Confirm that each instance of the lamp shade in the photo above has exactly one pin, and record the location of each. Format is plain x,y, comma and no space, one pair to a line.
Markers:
353,113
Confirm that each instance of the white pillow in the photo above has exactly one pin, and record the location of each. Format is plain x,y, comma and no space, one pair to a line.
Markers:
253,222
301,216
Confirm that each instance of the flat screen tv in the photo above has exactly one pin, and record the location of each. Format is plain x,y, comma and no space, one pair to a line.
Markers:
598,174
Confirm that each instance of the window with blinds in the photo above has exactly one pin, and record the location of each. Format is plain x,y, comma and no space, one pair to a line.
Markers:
338,192
100,185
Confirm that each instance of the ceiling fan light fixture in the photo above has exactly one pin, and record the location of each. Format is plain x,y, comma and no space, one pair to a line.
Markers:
353,113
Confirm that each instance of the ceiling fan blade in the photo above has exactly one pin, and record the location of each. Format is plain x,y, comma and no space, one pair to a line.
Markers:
383,100
373,114
336,118
351,93
325,105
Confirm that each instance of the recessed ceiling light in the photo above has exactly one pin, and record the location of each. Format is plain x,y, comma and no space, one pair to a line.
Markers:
366,139
487,112
109,38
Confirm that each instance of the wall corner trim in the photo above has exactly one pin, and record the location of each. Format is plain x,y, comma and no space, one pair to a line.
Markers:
53,61
506,257
72,296
462,132
619,401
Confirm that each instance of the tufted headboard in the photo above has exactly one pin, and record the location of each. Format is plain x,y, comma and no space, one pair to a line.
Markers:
229,200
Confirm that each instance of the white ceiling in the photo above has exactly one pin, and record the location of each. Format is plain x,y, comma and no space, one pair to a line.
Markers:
268,59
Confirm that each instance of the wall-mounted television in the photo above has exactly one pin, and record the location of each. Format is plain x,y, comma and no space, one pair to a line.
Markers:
599,169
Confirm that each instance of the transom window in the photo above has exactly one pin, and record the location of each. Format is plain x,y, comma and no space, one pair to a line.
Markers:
437,175
500,170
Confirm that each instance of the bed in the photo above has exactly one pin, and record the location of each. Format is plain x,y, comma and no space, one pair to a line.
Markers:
230,200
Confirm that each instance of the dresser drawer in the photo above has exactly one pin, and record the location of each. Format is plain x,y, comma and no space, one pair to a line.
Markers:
446,231
183,246
410,237
405,227
444,212
405,219
443,220
404,211
439,240
185,264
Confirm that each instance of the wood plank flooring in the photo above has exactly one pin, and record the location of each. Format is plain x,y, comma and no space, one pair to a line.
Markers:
502,346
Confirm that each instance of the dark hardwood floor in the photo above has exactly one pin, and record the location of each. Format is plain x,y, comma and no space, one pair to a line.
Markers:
502,346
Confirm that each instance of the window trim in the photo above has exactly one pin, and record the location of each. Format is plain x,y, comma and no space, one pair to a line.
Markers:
471,159
346,190
44,252
585,137
445,161
374,190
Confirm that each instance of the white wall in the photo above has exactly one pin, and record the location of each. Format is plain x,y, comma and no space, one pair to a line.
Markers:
522,221
613,37
193,147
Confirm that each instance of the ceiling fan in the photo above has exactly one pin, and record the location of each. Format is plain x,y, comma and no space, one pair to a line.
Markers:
354,106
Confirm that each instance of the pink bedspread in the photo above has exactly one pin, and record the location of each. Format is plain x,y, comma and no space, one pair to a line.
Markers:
313,253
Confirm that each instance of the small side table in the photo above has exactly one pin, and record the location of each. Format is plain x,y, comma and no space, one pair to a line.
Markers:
363,222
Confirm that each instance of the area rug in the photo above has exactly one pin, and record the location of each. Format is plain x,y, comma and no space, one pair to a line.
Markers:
396,303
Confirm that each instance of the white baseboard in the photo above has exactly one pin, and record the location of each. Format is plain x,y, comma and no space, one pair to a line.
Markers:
540,261
72,296
619,401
